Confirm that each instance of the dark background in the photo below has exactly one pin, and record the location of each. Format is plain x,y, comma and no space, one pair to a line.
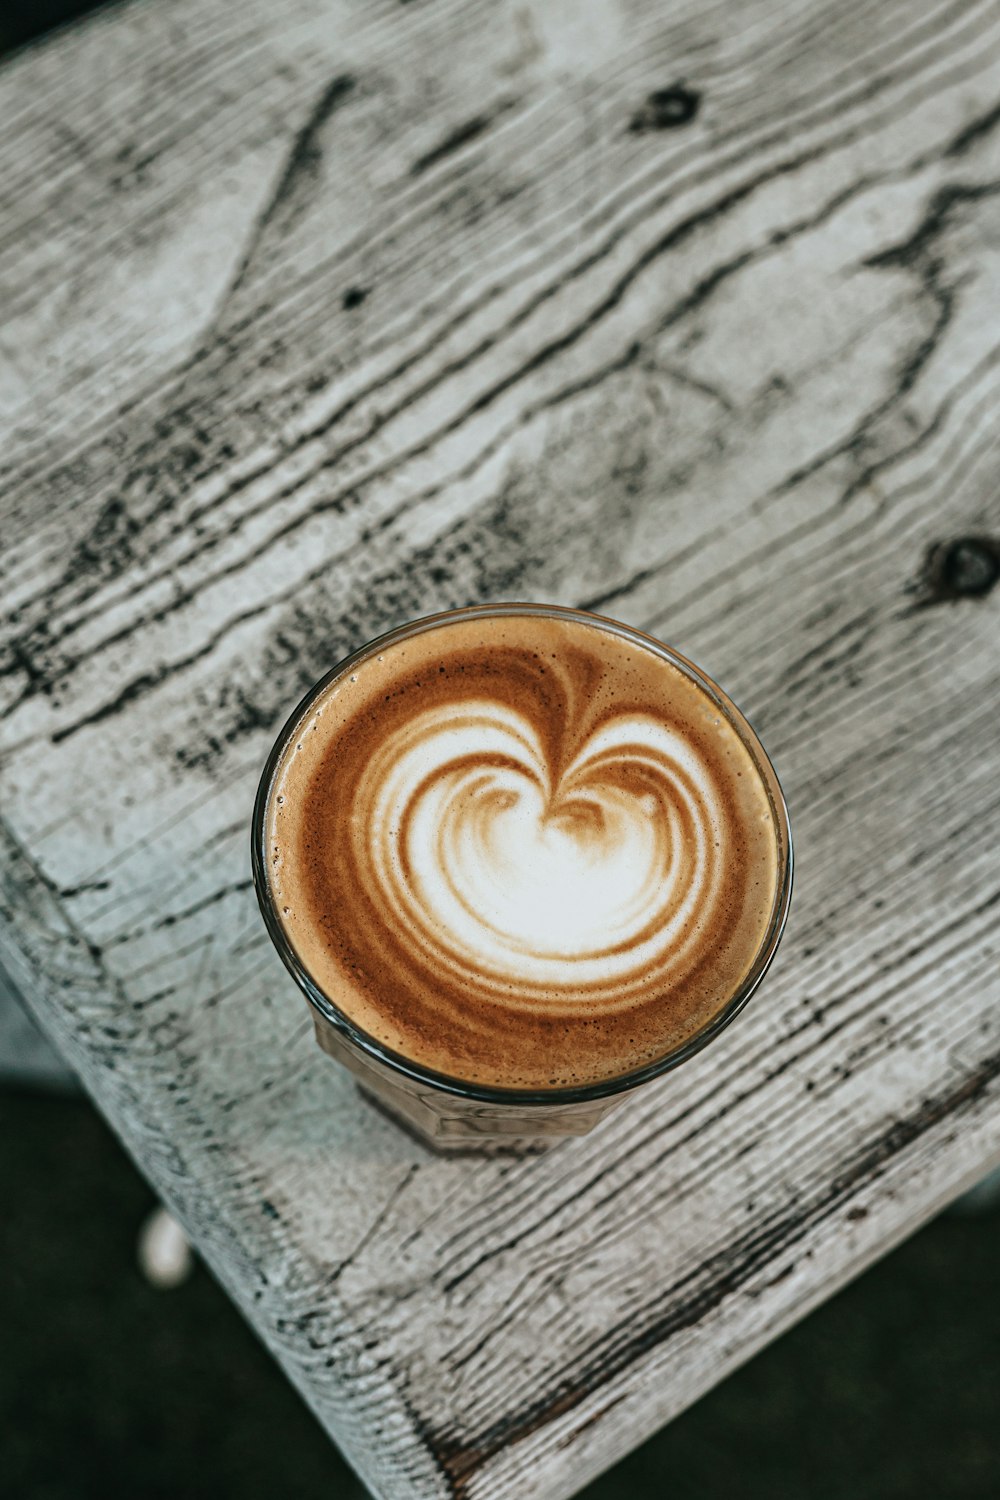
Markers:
891,1391
21,20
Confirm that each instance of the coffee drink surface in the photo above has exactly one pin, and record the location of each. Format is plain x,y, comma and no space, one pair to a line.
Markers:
523,851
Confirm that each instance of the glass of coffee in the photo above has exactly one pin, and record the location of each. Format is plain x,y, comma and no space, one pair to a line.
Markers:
521,860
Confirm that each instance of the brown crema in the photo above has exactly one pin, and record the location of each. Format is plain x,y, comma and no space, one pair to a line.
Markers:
522,851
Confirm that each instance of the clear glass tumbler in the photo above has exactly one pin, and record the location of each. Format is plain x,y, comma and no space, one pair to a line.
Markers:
451,1114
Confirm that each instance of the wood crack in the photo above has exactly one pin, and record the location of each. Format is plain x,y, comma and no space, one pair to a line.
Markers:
297,181
462,135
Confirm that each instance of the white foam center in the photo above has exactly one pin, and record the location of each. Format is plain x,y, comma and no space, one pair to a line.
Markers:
490,865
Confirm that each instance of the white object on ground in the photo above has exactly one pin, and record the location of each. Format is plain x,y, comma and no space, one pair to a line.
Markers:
165,1256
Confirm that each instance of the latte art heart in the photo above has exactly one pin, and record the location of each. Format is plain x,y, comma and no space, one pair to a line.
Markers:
522,851
497,869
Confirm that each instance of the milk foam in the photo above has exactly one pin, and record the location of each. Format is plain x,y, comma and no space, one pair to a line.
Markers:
492,863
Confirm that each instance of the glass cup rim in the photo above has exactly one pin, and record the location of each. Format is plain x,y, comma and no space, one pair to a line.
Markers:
465,1088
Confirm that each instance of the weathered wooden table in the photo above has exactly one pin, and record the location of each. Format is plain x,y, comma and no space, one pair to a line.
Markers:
322,315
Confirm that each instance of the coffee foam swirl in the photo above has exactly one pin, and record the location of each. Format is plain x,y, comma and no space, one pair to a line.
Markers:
523,852
496,868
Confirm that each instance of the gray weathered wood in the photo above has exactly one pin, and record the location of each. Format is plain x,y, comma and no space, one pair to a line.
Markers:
318,316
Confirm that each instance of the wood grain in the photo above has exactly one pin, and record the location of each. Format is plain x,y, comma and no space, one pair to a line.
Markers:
320,317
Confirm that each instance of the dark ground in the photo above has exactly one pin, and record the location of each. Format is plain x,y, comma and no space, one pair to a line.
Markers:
22,20
891,1391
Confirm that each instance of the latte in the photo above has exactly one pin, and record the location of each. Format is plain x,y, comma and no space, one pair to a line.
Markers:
525,851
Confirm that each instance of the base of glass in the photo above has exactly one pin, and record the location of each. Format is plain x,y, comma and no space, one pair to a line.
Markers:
459,1145
452,1124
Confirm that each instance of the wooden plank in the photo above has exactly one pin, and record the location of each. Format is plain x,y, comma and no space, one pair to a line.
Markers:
317,320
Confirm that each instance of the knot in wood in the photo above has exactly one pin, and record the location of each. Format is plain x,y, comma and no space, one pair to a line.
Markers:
966,568
665,109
